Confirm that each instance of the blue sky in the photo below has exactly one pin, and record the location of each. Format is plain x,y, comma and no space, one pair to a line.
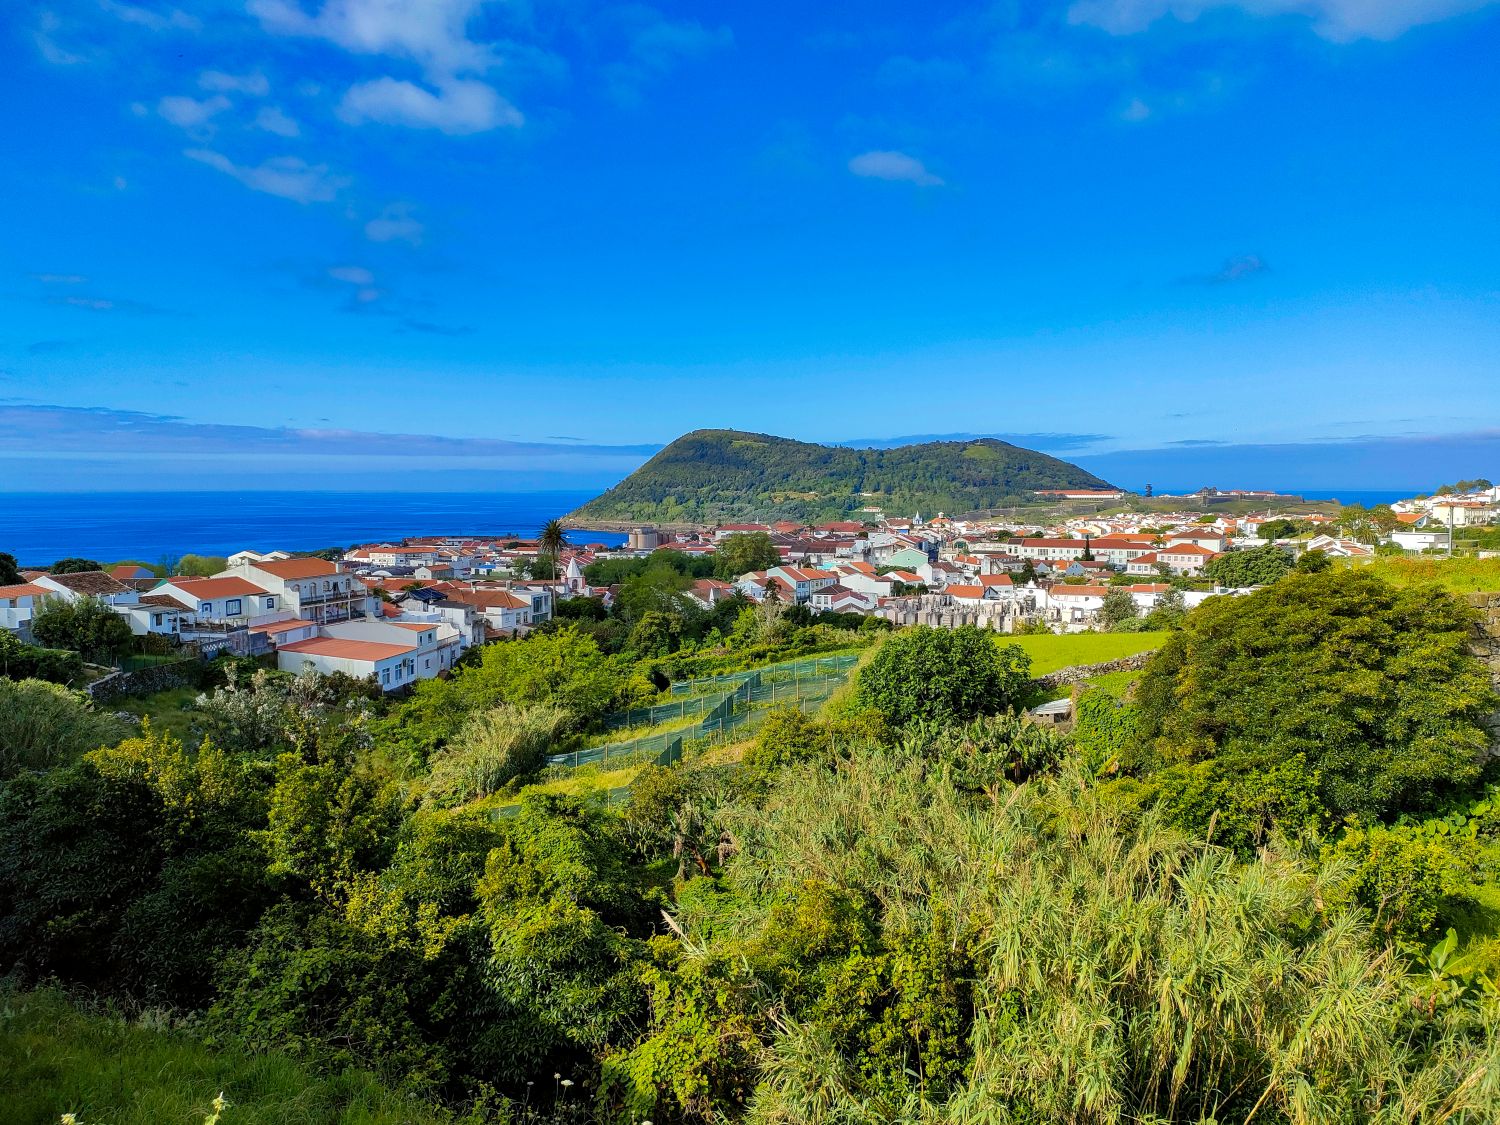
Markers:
277,242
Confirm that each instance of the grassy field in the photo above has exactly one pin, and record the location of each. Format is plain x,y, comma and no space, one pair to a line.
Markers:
55,1059
1462,576
1049,652
168,710
585,781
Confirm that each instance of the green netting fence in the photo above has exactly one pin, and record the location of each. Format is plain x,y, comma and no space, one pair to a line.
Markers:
745,699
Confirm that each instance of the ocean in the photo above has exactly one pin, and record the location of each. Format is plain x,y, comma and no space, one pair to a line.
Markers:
42,527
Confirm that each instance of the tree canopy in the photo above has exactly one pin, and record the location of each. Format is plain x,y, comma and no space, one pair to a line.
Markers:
1257,566
944,675
1373,686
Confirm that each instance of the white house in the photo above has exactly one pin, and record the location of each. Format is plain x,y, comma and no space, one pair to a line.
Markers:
802,582
437,646
1184,558
239,558
391,665
312,588
220,601
1412,540
1077,604
94,584
839,598
19,603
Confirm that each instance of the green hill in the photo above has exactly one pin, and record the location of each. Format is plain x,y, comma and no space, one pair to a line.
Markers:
726,474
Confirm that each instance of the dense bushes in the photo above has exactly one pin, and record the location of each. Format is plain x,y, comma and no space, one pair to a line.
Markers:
1373,687
21,661
944,675
44,725
919,906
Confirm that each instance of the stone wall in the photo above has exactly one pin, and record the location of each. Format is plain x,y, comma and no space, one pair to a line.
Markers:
143,681
1068,677
1486,640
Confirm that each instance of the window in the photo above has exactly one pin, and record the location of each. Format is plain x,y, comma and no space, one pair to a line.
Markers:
270,603
385,675
206,607
156,619
232,607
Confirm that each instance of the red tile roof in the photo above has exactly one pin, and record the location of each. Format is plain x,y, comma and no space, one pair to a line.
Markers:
341,649
23,590
206,589
297,568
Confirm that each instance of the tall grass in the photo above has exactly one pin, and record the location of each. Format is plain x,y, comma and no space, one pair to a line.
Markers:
1128,973
105,1070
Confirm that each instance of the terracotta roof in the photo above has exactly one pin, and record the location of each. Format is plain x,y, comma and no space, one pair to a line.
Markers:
89,582
281,626
988,580
129,570
206,589
414,626
965,591
23,590
1149,588
1185,549
1144,560
1078,591
342,649
166,601
298,568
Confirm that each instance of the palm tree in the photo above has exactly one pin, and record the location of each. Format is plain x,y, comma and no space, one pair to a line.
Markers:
551,542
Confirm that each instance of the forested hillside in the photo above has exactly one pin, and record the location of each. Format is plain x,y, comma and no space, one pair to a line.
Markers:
1264,888
726,475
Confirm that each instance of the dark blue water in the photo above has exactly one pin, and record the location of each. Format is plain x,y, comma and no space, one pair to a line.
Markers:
1368,497
41,527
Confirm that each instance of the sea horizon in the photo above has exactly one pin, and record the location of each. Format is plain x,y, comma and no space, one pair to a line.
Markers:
41,527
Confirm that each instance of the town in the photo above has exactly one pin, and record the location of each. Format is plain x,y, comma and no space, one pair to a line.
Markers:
400,612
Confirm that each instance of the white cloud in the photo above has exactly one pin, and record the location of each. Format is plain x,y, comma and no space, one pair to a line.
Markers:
354,275
395,224
190,113
45,36
1338,20
433,33
1135,110
289,177
884,165
172,18
254,84
60,278
274,120
460,106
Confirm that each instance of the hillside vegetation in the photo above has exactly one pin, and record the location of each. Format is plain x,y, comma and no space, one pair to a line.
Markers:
1263,885
726,474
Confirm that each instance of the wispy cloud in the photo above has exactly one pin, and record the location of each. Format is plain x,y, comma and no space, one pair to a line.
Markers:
892,165
60,278
191,114
1338,20
1242,268
657,45
254,84
396,223
289,177
273,119
59,429
458,107
104,304
168,19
